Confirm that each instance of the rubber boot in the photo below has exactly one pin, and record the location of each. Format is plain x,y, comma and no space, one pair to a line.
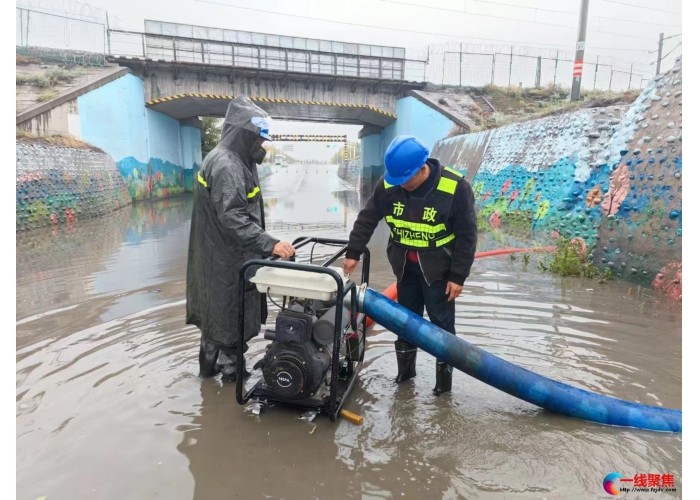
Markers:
406,359
208,354
443,377
227,363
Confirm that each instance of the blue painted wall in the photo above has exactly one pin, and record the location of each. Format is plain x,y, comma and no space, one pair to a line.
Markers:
417,119
191,140
413,118
155,153
112,117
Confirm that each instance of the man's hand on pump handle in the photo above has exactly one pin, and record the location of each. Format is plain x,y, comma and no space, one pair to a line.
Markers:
283,249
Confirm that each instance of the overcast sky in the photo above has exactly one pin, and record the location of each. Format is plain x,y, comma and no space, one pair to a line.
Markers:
623,29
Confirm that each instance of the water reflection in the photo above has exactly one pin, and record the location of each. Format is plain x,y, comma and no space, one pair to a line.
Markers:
105,363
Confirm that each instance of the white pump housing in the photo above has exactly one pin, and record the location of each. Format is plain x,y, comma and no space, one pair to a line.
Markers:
296,283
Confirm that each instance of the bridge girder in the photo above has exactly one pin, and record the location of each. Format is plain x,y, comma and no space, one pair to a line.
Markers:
353,98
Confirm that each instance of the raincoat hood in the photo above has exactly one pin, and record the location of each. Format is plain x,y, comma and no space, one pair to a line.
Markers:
244,124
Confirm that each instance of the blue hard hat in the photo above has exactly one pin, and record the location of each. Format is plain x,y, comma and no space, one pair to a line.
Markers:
404,157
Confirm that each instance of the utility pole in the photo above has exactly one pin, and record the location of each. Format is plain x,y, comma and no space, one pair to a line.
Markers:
580,46
658,55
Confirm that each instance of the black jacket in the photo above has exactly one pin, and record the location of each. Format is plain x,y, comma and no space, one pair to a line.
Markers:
462,218
228,228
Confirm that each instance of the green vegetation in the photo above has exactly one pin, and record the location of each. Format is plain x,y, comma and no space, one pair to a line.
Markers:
211,133
569,260
46,95
49,78
516,104
60,141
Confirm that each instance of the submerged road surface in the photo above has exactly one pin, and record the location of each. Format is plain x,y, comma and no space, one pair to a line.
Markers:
109,405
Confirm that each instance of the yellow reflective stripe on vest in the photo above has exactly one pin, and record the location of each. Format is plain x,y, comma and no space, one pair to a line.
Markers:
204,183
387,185
453,171
445,240
446,185
426,244
201,180
415,226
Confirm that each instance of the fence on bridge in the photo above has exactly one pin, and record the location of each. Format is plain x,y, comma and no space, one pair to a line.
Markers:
62,38
88,42
478,65
187,43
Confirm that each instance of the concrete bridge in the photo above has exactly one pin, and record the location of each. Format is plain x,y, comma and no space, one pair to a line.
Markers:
143,108
308,80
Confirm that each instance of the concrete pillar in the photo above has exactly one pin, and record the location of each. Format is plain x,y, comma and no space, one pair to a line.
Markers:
372,148
191,141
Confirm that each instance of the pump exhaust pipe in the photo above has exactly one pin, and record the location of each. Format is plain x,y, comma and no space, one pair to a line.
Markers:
529,386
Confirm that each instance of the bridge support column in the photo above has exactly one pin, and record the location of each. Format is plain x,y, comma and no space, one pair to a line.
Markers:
372,149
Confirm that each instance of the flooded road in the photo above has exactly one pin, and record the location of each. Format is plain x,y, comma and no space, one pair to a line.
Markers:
109,405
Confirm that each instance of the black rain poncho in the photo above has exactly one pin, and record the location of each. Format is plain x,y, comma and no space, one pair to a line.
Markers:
228,228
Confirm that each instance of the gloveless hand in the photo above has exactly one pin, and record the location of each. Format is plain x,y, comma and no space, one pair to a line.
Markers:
453,290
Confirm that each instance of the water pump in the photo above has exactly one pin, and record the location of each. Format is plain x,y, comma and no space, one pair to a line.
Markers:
317,345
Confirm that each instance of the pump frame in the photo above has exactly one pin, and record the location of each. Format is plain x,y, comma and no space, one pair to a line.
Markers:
335,402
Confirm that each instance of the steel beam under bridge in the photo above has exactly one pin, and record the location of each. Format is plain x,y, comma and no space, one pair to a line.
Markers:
308,138
183,106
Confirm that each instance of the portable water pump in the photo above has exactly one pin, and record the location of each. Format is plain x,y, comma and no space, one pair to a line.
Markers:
318,343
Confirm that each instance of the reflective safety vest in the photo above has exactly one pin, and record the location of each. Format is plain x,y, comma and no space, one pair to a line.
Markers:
422,223
250,195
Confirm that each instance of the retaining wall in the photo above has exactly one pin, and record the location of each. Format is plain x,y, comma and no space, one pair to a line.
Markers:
59,185
609,176
157,155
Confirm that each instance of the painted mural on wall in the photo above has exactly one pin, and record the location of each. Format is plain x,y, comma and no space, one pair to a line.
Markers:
57,185
609,176
155,179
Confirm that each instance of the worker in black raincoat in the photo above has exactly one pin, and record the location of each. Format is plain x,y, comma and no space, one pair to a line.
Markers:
228,229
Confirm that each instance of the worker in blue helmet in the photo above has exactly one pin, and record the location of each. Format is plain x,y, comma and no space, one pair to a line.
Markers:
430,211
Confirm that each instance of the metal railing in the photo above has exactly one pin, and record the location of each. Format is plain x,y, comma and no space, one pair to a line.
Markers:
40,29
172,48
470,69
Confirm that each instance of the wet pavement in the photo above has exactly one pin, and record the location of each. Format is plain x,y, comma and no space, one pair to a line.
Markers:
109,405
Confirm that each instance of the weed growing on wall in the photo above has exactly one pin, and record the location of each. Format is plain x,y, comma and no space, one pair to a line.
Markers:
571,260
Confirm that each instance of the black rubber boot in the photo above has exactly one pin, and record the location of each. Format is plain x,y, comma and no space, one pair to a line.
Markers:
406,358
443,378
208,355
227,364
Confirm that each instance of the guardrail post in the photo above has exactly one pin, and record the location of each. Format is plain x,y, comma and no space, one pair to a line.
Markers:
631,71
595,76
510,69
460,64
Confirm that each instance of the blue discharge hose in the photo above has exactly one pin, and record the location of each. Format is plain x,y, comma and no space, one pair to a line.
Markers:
546,393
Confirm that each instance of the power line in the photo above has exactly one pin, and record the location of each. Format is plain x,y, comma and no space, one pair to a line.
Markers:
479,15
511,18
638,22
461,37
569,13
640,7
669,52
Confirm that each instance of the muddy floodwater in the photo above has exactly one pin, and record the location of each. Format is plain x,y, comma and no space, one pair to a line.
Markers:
109,405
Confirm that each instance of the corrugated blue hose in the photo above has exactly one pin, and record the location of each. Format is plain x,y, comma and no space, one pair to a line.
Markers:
546,393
